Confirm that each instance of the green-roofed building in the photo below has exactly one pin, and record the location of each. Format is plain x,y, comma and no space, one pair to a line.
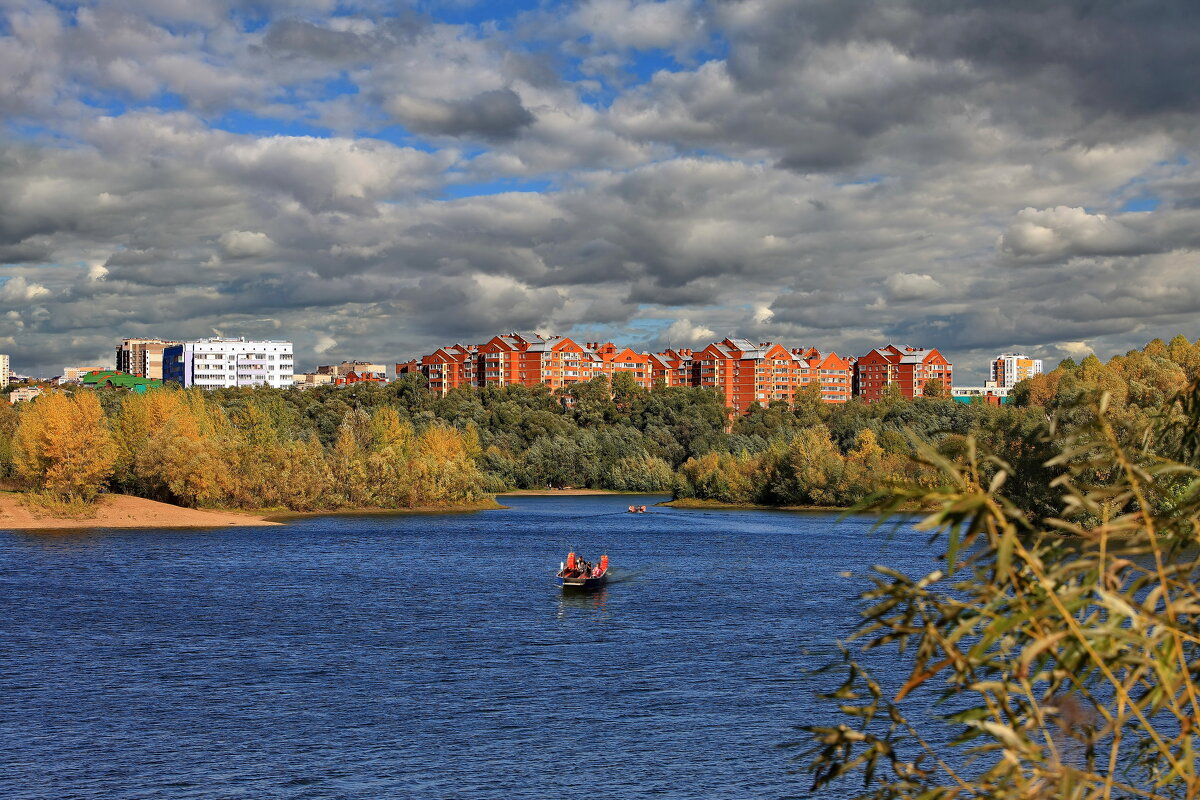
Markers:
108,378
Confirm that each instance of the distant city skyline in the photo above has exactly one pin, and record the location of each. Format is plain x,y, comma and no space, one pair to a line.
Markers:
375,180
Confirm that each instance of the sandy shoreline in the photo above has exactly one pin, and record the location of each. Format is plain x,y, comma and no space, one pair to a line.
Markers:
123,511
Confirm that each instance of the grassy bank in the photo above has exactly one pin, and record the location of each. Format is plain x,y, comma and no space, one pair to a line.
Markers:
693,503
450,508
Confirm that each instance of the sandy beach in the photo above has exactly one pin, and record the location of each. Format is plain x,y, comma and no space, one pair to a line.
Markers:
122,511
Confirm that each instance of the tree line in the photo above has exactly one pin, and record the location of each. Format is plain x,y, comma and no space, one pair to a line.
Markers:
398,445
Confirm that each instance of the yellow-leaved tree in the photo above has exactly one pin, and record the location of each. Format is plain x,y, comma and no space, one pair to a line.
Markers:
391,445
442,468
63,445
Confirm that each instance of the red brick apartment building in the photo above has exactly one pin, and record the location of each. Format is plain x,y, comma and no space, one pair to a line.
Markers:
907,368
742,372
527,359
746,373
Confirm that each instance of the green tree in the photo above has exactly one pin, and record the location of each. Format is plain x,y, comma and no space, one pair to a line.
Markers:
8,430
1070,664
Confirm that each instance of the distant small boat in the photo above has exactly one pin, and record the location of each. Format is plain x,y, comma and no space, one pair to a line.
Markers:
637,509
575,574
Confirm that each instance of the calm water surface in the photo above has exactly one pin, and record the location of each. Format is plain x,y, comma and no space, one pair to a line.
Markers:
426,656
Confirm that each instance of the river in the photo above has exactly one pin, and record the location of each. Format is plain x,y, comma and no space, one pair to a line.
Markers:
427,656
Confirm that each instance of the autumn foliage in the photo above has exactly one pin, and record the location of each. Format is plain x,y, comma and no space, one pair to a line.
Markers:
192,449
63,445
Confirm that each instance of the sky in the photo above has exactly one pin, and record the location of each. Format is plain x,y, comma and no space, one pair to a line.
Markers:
374,179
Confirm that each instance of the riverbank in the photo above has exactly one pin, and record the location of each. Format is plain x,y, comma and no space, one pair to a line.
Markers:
691,502
458,508
121,511
573,493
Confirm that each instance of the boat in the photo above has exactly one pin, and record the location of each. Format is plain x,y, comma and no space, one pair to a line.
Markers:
575,574
637,509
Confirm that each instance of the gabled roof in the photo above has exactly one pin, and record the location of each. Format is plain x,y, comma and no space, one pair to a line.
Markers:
448,355
628,354
740,344
659,359
834,361
565,343
506,343
716,349
887,354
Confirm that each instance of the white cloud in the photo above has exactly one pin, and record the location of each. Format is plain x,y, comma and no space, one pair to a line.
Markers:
811,167
912,286
662,24
1056,232
19,290
244,244
682,332
324,344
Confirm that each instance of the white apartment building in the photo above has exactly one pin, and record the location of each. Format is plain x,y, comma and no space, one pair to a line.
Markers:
5,371
1009,369
226,363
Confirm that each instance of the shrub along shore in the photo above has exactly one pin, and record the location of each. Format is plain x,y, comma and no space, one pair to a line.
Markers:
397,446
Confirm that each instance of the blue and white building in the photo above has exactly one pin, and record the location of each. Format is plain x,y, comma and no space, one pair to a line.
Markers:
225,363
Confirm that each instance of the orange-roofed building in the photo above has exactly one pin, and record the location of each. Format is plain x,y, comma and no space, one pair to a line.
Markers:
835,375
446,368
499,361
352,377
674,367
610,361
907,368
556,361
745,373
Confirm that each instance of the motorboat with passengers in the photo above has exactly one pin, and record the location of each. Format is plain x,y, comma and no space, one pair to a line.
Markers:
576,574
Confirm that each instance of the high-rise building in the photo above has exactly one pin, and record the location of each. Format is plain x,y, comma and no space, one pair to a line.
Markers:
5,371
225,363
142,357
1009,369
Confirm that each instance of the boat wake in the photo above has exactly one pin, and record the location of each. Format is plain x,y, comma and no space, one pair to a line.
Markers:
617,575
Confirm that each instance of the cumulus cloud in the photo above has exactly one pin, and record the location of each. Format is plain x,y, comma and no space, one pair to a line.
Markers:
244,244
1052,233
324,344
682,332
912,286
661,24
828,173
19,290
